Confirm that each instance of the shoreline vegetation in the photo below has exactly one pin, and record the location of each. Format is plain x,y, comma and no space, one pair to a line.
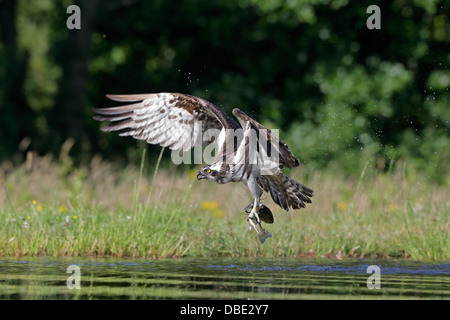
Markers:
49,207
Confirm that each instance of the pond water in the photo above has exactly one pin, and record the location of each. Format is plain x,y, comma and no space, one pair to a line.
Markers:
220,278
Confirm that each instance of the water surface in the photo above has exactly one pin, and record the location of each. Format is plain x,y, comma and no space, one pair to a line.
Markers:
220,278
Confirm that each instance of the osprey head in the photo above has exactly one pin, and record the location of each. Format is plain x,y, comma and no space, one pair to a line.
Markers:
207,173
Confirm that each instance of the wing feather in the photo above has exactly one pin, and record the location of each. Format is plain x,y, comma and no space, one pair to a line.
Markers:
270,142
174,120
286,192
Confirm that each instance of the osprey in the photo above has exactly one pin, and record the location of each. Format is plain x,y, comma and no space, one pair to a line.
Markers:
249,153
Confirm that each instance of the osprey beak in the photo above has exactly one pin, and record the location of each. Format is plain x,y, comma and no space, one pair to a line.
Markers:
200,176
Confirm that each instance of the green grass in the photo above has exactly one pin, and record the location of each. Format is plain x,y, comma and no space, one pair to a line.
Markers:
49,207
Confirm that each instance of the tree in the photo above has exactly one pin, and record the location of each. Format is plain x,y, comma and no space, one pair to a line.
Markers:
16,119
67,117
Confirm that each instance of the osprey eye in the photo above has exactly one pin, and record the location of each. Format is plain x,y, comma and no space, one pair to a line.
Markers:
208,171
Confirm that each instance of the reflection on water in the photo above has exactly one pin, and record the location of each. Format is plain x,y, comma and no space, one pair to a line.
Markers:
221,278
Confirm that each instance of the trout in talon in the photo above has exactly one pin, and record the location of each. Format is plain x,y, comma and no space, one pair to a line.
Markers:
262,234
264,212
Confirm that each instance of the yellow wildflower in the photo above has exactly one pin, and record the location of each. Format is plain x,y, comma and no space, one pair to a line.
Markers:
38,206
75,217
393,207
342,206
28,217
209,205
62,209
213,208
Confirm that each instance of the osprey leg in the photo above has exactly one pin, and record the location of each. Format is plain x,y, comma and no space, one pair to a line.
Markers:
256,192
253,216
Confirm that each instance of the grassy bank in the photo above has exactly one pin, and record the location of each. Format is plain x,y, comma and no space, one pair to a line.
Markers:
49,207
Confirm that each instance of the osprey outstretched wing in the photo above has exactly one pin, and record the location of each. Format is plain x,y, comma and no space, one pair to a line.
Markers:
180,122
169,119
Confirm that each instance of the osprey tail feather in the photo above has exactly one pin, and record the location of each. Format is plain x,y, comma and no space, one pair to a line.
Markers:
286,192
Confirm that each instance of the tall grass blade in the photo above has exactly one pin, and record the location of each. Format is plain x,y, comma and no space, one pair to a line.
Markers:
150,192
137,185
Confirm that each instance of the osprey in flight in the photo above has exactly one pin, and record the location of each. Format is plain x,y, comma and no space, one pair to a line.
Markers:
249,153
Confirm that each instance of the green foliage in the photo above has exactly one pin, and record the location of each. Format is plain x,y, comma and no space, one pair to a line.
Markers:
341,93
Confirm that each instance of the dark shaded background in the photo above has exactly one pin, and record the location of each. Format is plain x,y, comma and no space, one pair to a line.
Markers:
340,93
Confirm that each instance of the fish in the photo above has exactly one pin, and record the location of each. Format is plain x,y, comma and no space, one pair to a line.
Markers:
264,215
264,212
262,234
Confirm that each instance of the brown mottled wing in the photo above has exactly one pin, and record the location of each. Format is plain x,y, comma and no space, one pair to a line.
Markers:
173,120
285,192
269,141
